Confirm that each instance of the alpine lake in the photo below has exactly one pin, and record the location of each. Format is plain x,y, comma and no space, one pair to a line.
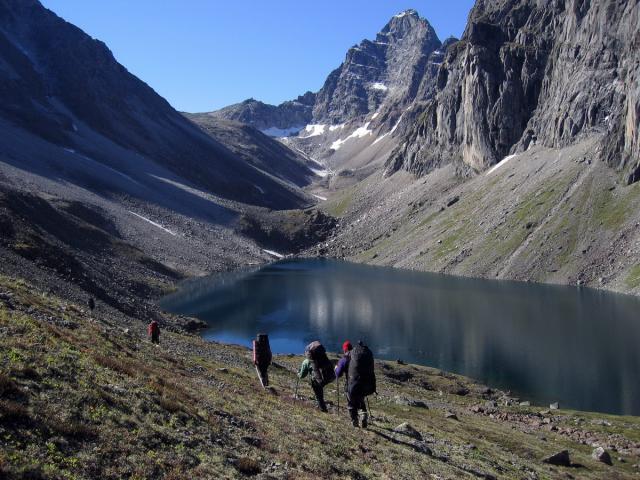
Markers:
576,346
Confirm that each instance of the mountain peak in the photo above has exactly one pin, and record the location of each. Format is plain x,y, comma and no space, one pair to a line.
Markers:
409,12
403,24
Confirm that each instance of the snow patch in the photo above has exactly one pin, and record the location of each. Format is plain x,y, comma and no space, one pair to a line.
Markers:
281,132
375,115
259,189
333,128
358,133
320,173
153,223
380,86
275,254
319,197
380,138
500,164
314,130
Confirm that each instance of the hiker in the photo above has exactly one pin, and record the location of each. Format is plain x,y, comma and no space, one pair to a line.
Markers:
154,331
357,366
321,369
262,357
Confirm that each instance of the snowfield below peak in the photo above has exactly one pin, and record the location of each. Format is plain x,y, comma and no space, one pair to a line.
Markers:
314,130
359,132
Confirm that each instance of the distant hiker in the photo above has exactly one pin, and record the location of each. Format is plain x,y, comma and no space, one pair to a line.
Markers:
92,304
321,369
262,357
357,366
154,331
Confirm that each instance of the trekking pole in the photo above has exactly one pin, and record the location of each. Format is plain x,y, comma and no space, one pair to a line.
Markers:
295,395
338,392
369,408
259,376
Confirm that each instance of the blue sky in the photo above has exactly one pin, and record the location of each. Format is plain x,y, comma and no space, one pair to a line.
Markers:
204,54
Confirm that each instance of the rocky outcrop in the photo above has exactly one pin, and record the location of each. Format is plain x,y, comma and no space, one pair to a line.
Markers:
285,119
388,70
533,72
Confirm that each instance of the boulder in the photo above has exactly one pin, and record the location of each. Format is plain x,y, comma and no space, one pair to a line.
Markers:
450,415
602,455
410,402
406,429
561,459
554,406
525,404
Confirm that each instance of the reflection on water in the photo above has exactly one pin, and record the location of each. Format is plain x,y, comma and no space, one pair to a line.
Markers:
547,343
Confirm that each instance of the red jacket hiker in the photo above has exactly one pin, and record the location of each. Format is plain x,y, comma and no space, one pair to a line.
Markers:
154,331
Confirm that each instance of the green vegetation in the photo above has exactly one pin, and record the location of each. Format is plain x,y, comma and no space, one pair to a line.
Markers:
80,398
633,278
337,207
613,209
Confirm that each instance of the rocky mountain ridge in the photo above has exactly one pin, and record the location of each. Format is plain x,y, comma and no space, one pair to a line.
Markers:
282,120
67,89
527,72
369,96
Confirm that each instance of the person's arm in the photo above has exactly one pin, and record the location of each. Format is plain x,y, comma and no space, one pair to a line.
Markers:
305,368
342,366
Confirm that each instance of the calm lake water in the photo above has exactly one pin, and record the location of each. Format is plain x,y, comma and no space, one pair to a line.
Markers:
578,346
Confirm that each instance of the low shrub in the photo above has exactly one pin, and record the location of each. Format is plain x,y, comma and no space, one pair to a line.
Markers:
115,364
8,387
247,466
13,413
170,404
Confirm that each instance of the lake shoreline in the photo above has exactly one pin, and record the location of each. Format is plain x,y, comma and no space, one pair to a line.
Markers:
431,291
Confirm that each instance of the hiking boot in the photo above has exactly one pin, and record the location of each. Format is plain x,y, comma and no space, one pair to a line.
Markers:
354,422
323,408
365,420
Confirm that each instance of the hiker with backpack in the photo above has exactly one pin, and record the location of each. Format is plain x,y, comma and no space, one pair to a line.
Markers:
262,357
321,369
358,367
154,331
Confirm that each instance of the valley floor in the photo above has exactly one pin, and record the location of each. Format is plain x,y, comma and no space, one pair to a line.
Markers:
85,395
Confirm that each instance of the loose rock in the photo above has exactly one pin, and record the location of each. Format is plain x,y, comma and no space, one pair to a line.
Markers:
602,455
561,459
406,429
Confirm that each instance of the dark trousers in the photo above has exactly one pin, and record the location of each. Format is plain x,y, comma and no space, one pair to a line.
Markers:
155,337
318,390
355,403
263,375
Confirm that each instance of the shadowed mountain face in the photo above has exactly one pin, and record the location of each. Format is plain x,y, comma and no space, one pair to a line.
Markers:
534,72
259,149
60,85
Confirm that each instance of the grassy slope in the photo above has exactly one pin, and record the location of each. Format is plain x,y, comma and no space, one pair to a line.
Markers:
546,216
82,398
